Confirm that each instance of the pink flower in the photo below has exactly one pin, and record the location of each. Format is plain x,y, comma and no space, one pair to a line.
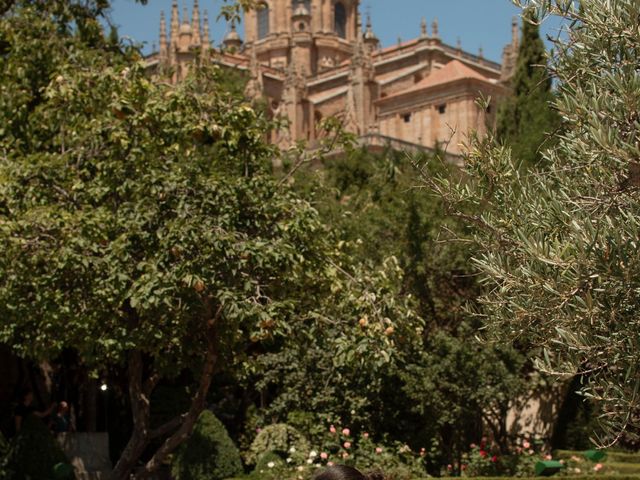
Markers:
526,445
423,452
365,435
346,432
548,456
345,455
473,445
332,429
329,464
324,455
597,467
347,445
449,467
494,459
483,454
378,450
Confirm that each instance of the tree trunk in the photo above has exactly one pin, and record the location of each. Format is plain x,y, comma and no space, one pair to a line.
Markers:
182,426
197,406
140,412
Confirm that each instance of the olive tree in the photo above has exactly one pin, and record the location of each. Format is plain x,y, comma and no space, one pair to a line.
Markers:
559,248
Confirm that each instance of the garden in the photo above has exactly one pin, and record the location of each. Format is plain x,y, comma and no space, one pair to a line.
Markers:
220,308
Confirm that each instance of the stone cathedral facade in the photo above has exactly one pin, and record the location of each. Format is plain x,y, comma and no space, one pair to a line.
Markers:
312,59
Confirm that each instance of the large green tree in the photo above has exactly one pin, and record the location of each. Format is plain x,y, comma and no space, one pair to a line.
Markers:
140,224
527,119
559,247
442,387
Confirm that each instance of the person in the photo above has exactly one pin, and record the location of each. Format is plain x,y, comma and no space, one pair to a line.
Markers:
25,408
343,472
61,421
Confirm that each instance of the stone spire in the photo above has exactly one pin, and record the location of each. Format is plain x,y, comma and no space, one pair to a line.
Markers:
510,52
163,38
175,24
480,52
232,40
434,28
370,38
195,23
423,28
186,34
206,43
459,45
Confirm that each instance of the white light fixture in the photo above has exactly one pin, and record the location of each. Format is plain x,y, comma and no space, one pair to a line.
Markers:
103,387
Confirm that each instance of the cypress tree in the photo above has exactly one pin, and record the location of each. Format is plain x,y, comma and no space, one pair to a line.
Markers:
526,119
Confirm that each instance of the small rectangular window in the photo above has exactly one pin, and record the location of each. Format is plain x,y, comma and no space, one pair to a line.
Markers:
407,117
442,108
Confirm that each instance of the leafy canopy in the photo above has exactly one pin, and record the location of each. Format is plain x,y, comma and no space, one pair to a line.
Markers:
559,247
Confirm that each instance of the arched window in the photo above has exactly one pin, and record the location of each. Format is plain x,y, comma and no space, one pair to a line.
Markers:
307,4
263,21
340,22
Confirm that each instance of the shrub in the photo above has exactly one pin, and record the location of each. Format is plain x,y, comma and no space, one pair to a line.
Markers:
280,439
209,454
271,466
34,452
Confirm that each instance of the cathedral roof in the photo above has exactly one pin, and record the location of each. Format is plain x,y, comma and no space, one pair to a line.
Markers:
453,71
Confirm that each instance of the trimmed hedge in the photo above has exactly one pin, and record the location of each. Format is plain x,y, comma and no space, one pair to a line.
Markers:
209,454
623,457
280,439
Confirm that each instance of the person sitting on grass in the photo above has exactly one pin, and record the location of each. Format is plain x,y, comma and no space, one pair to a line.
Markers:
342,472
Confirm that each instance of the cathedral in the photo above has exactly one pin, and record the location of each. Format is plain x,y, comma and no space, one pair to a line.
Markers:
313,59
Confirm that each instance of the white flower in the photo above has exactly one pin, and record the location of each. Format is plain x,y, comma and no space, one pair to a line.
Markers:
309,461
313,454
300,468
292,450
289,460
271,464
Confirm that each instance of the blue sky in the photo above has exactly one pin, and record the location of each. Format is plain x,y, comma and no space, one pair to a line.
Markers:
477,23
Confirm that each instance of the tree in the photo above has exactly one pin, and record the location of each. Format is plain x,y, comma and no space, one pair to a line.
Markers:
442,387
526,119
559,248
141,226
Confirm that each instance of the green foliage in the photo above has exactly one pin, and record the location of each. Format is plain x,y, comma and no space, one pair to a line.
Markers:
462,386
271,465
337,445
4,457
559,247
142,221
209,454
34,452
526,119
278,439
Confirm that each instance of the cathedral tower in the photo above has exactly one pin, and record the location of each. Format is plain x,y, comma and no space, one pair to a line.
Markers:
314,34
